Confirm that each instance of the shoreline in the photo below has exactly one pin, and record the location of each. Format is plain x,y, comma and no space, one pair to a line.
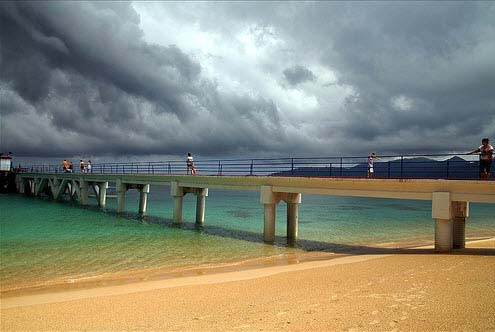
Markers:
217,277
108,279
89,280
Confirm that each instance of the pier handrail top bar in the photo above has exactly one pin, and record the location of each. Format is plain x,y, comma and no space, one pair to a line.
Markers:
300,157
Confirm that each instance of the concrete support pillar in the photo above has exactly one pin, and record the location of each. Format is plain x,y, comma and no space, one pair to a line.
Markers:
269,223
292,220
30,187
442,213
143,198
96,189
200,209
76,190
269,199
69,189
178,209
83,187
60,188
121,190
443,235
102,196
460,211
177,193
52,184
21,184
200,205
37,185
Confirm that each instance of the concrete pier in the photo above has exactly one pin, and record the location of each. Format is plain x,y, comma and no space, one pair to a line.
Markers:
450,199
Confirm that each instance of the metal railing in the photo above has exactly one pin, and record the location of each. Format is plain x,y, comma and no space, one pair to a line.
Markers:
438,166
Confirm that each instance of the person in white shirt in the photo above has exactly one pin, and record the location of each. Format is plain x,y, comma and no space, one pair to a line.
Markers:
371,157
486,158
190,164
88,167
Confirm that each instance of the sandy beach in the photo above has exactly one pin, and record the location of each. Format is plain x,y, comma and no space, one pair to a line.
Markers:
399,292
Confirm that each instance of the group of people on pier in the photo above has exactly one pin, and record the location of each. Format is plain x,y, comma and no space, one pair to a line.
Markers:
68,167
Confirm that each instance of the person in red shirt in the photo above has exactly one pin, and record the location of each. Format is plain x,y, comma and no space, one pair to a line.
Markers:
486,158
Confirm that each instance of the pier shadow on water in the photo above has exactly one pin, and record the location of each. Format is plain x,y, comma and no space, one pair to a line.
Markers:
281,241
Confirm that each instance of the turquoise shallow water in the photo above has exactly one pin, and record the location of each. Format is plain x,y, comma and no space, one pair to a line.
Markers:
42,240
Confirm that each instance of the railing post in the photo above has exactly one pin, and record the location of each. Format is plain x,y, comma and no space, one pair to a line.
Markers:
330,169
388,171
340,166
149,167
292,166
251,168
448,169
169,168
219,172
401,165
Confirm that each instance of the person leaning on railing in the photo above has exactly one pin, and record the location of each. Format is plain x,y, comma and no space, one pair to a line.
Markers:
486,157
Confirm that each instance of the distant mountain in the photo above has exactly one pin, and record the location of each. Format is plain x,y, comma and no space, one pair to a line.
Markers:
421,167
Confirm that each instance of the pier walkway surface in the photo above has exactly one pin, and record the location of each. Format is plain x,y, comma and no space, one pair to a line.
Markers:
450,184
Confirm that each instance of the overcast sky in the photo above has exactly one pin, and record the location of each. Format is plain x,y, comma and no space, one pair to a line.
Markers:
116,80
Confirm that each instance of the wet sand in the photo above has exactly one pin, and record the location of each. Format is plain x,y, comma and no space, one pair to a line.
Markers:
412,291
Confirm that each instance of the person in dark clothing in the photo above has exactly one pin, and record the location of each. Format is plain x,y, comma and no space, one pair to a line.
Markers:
486,158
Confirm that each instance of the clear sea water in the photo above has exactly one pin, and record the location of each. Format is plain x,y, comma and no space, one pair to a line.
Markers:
44,242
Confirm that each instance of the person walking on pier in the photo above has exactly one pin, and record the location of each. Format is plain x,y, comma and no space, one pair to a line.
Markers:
486,158
81,165
71,167
190,164
371,158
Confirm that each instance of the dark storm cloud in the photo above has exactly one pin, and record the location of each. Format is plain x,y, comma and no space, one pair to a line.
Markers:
437,58
84,71
298,74
422,72
78,78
